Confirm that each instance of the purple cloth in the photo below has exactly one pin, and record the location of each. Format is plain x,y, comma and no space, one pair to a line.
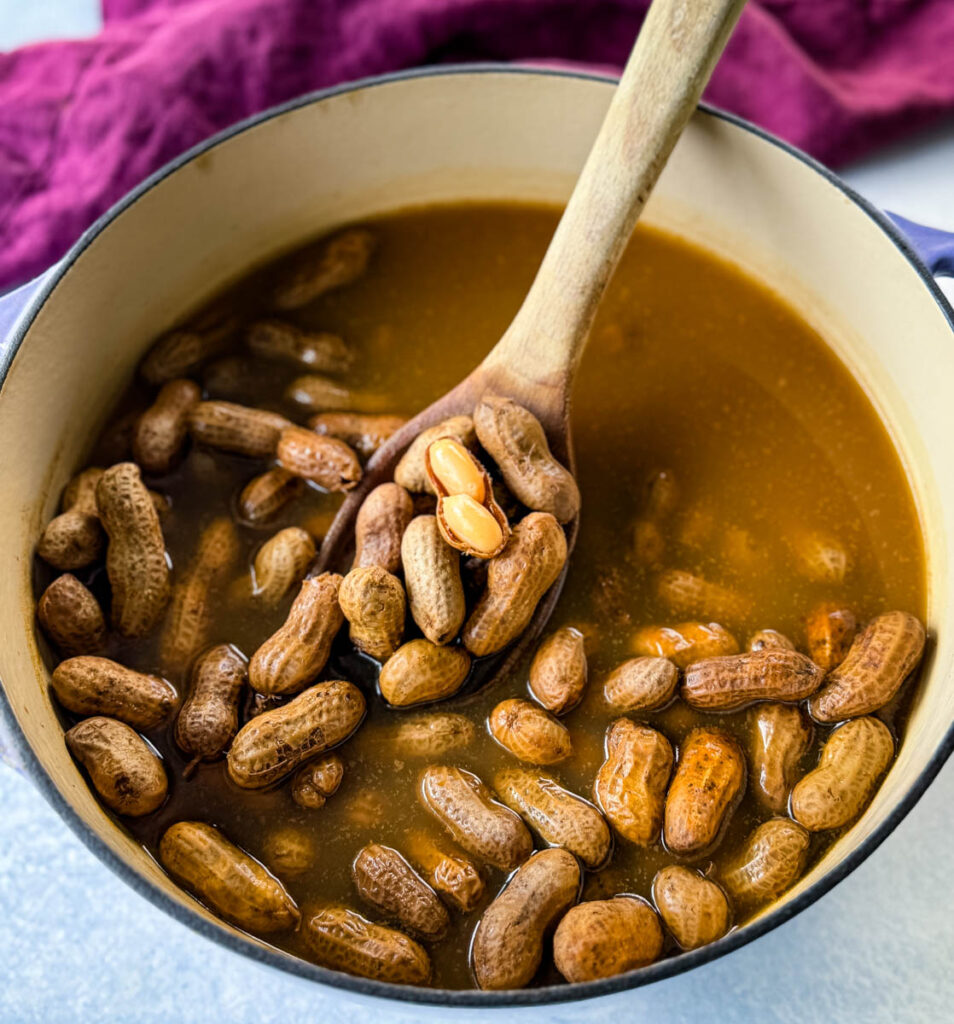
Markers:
82,122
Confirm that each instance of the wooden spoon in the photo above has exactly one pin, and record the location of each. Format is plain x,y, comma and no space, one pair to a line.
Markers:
535,361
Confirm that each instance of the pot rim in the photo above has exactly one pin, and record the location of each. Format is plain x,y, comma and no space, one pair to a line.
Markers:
273,957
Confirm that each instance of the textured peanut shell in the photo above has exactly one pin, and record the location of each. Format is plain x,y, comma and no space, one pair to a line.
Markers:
694,908
345,941
516,581
226,878
294,655
684,643
122,767
880,659
379,527
433,735
770,638
310,350
209,716
314,392
819,557
705,790
771,861
736,680
362,431
558,672
529,732
514,438
239,429
411,470
641,684
466,807
559,817
420,672
631,783
160,433
339,261
71,616
372,600
603,938
779,736
136,555
290,851
316,781
75,538
854,758
324,461
829,631
508,943
281,563
384,879
88,685
453,875
264,496
275,743
189,619
183,351
684,593
432,576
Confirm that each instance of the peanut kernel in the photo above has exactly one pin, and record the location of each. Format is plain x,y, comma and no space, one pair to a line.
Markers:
469,521
455,469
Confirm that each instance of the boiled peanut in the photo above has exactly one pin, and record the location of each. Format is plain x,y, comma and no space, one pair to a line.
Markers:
514,438
466,807
290,851
281,563
559,817
771,861
421,671
365,809
384,879
770,638
313,392
379,527
631,784
88,685
508,943
880,659
818,556
529,732
189,619
695,909
641,684
264,496
325,461
854,758
478,530
372,600
433,735
829,632
432,576
123,768
71,617
411,470
314,350
685,643
316,781
558,671
75,537
294,655
516,581
226,878
779,737
340,260
603,938
705,790
735,680
239,429
451,874
364,432
276,742
160,433
684,593
181,352
136,557
345,941
208,719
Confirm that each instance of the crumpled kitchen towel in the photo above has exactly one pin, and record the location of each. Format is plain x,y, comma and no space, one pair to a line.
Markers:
82,122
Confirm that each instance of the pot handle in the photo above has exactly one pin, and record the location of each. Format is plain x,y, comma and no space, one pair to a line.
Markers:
934,246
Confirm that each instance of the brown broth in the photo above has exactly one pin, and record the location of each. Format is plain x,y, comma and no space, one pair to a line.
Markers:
692,366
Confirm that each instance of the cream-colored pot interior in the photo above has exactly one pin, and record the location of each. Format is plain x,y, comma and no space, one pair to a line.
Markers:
477,135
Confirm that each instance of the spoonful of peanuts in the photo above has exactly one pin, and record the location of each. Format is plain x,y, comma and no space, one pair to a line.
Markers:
496,451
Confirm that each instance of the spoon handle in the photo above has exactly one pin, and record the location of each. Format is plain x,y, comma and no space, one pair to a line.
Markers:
677,48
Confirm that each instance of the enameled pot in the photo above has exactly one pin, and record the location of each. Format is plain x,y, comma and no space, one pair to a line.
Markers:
487,133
